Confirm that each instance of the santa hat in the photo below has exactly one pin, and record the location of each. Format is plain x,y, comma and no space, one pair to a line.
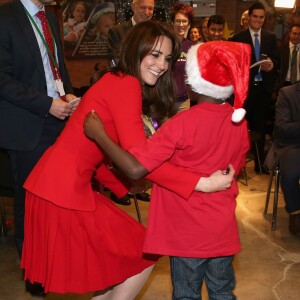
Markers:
218,69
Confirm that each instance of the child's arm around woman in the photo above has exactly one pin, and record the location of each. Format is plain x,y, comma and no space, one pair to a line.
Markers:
94,129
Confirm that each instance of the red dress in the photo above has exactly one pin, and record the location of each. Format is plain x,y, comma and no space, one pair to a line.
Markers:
202,139
77,240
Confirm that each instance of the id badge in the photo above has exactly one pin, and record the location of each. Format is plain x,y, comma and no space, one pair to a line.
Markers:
60,87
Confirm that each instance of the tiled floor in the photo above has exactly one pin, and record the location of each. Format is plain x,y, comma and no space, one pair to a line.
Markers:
268,267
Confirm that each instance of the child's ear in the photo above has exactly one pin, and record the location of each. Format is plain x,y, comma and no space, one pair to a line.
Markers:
192,95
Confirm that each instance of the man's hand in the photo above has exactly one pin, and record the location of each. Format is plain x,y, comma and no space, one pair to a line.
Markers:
60,109
70,97
267,66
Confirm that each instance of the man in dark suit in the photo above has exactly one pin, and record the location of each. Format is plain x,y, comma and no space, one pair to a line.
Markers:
142,11
286,77
262,78
32,112
287,150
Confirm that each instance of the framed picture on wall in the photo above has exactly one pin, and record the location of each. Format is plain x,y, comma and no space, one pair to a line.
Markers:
85,27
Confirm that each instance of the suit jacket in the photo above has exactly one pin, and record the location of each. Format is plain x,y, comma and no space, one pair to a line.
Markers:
284,64
24,104
287,123
115,37
268,46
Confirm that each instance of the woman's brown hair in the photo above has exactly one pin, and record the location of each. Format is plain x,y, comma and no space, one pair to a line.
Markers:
158,100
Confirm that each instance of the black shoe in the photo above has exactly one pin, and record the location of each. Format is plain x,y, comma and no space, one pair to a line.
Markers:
123,200
35,289
263,171
143,197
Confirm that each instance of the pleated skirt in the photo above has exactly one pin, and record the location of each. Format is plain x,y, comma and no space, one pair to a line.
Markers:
73,251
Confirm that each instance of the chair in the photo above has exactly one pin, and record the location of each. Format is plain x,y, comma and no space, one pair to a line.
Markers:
254,137
276,172
137,208
97,186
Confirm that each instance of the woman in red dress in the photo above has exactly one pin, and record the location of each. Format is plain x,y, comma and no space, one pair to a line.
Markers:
76,240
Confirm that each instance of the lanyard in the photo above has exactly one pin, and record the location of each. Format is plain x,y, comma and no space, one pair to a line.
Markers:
53,60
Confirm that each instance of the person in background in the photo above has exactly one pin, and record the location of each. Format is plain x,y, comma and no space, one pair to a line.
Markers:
215,28
142,11
102,20
245,20
203,29
76,240
33,104
194,34
181,16
201,234
262,78
74,26
287,150
288,74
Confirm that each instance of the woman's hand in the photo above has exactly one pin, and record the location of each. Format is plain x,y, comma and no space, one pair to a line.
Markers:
93,126
217,181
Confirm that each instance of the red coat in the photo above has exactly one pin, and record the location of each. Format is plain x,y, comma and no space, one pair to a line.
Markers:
63,175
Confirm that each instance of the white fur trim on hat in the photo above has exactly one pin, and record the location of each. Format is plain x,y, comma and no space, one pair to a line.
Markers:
238,115
199,84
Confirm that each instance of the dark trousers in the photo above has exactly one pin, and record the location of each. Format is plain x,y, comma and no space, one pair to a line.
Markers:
258,110
22,163
290,174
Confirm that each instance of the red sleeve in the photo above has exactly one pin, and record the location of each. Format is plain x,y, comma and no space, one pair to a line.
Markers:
245,146
110,180
126,110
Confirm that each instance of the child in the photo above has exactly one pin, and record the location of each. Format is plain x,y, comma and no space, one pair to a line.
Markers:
74,26
200,234
103,19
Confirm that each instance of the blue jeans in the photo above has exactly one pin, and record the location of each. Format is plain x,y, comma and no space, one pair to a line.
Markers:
188,275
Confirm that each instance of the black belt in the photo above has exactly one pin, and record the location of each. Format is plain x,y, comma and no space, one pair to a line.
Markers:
256,83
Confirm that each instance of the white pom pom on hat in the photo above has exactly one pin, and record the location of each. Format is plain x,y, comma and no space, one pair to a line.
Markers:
218,69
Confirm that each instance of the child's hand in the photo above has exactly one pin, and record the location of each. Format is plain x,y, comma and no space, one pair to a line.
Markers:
93,126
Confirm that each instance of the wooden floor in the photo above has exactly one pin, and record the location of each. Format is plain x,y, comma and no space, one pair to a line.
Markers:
267,268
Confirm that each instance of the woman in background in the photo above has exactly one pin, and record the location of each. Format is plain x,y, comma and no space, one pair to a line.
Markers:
194,34
204,30
181,16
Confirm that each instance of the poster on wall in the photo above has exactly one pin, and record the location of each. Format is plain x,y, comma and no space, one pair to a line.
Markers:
85,27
